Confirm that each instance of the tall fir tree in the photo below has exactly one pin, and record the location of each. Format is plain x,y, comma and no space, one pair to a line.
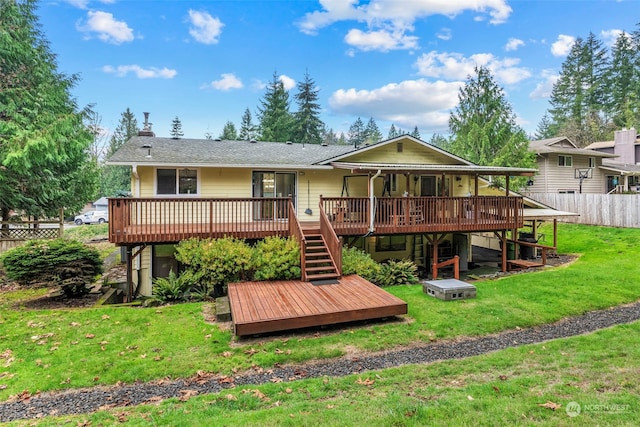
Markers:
116,180
307,123
356,133
415,133
623,82
579,95
274,116
483,126
176,128
248,130
229,132
45,159
392,132
372,133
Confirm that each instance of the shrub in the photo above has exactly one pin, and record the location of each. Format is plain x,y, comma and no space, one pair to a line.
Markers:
276,258
394,273
356,261
215,262
69,264
170,289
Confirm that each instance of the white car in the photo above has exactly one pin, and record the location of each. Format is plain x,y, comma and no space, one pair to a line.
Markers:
92,217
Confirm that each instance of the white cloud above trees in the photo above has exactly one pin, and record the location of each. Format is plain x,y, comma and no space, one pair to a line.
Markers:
226,82
105,27
204,28
140,72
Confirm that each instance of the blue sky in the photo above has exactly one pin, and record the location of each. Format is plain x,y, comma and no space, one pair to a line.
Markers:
398,61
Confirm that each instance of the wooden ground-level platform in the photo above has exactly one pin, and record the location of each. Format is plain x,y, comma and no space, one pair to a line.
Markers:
261,307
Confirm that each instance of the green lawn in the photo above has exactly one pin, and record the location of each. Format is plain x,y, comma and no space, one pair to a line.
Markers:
51,350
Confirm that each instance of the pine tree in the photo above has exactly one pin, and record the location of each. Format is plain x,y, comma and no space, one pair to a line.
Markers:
546,128
415,133
275,119
307,126
579,95
392,132
356,133
623,82
483,126
248,130
116,180
372,133
440,141
176,128
45,160
229,132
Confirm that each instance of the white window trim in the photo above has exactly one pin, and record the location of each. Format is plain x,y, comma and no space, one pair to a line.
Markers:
155,183
565,165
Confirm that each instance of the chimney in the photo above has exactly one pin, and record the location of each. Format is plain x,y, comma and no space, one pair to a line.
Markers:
624,145
146,130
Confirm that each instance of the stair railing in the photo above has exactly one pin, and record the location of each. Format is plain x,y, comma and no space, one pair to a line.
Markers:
333,242
295,230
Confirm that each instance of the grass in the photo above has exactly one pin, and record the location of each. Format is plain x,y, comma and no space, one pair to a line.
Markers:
52,350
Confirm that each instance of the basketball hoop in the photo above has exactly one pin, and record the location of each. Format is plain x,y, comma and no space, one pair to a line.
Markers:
582,174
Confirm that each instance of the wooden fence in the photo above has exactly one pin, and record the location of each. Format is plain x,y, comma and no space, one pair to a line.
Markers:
614,210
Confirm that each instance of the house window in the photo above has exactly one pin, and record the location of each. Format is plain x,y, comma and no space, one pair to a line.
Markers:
391,243
394,182
592,162
566,161
176,181
400,147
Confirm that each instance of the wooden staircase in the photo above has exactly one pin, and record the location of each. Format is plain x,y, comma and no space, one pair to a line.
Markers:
319,266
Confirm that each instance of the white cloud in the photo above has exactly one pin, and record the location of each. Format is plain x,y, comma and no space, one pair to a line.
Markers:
204,27
107,28
390,20
84,4
380,40
562,46
513,44
609,37
543,89
287,82
227,82
455,66
407,104
444,34
141,73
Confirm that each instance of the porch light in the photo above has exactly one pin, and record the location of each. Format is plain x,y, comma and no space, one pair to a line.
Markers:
530,182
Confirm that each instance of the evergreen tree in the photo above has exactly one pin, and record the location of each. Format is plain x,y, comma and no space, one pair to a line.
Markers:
229,132
45,159
328,136
116,180
275,119
622,83
176,128
356,133
392,132
579,96
342,139
307,126
248,130
545,129
440,141
415,133
372,133
483,127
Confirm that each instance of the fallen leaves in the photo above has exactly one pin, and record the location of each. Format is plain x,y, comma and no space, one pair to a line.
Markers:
550,405
7,357
367,381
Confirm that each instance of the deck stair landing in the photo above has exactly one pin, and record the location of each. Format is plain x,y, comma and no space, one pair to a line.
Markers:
319,266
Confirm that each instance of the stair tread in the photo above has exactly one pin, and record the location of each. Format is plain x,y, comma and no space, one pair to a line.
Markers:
311,277
318,260
321,268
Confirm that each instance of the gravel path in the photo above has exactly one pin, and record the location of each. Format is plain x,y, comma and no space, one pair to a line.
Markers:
93,399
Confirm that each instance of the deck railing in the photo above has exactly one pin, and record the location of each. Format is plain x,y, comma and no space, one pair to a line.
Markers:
152,220
352,215
334,243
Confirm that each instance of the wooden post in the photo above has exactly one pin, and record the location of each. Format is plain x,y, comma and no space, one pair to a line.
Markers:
504,251
61,223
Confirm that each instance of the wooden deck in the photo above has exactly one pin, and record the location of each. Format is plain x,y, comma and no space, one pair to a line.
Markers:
260,307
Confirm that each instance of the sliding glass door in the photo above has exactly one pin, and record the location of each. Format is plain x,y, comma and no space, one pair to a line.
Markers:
267,184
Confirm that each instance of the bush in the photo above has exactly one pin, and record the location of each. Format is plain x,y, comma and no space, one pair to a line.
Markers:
215,262
276,258
356,261
69,264
394,273
171,289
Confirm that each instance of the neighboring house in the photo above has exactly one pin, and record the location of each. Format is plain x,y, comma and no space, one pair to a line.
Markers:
565,168
399,198
102,204
622,173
